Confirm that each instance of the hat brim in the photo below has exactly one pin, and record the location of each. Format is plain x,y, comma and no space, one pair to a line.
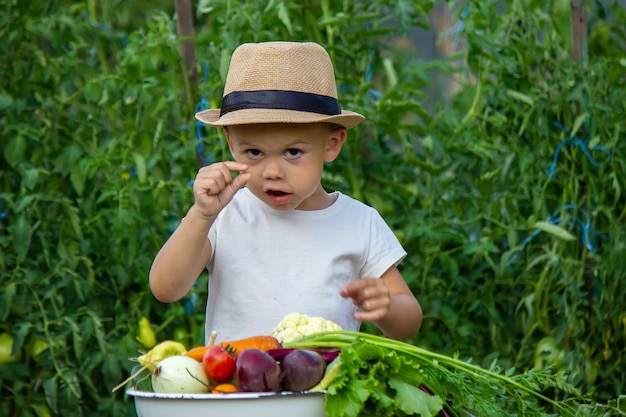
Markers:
347,119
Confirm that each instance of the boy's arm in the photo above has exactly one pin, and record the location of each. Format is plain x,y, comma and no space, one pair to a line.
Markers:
404,317
387,302
182,259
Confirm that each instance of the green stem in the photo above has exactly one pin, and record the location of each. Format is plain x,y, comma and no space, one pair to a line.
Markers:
58,366
474,105
165,323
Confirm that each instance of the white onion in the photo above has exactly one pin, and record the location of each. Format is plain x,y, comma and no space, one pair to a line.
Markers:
180,374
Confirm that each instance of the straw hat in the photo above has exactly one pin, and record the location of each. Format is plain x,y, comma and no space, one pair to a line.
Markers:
280,82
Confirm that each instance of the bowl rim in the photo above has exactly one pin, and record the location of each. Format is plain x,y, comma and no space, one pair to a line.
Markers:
226,396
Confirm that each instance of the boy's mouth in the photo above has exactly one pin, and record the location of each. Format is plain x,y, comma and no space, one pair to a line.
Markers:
276,193
278,197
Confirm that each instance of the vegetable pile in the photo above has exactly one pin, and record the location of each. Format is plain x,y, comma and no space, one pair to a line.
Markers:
253,364
363,375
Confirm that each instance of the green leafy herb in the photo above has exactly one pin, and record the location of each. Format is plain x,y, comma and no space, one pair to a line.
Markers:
379,382
385,377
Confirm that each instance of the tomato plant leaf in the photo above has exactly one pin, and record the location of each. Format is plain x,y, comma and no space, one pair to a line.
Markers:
524,98
554,230
582,118
5,101
51,391
7,294
78,177
15,150
22,233
283,15
77,340
140,166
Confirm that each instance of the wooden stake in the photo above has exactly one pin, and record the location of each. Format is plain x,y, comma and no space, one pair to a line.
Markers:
578,21
184,20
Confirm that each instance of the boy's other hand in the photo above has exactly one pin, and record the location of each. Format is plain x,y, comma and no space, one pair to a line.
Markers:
215,186
371,296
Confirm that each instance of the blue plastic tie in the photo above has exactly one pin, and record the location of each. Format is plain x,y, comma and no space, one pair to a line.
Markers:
457,28
369,71
579,224
373,94
3,214
174,220
189,304
576,141
605,9
588,235
202,105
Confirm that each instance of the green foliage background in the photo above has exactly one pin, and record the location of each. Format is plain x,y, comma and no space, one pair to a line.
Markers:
98,147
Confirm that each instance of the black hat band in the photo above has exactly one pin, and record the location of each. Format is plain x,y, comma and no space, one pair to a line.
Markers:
280,100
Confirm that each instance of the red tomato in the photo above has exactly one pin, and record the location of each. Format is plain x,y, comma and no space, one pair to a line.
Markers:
218,363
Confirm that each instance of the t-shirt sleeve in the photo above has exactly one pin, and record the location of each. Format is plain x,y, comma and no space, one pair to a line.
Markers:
385,250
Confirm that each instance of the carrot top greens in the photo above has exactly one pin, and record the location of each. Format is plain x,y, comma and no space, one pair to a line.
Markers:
384,377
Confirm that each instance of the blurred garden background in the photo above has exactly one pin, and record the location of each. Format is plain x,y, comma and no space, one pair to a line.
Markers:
491,147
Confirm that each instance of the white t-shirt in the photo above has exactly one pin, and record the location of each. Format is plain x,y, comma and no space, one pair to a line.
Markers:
268,263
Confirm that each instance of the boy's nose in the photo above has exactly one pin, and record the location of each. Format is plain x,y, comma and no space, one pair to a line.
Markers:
272,170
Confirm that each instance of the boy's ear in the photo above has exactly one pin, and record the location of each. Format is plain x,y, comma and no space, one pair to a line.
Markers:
335,141
230,146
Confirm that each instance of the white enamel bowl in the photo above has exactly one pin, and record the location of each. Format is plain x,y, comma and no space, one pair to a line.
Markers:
283,404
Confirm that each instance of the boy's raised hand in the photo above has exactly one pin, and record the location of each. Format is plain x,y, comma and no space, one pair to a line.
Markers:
371,296
215,186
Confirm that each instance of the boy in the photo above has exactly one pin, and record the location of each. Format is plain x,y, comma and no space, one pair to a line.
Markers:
277,241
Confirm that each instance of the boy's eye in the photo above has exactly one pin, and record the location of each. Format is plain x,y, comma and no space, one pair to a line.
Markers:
253,153
293,153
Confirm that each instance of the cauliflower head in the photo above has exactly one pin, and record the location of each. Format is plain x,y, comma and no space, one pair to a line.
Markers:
296,325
